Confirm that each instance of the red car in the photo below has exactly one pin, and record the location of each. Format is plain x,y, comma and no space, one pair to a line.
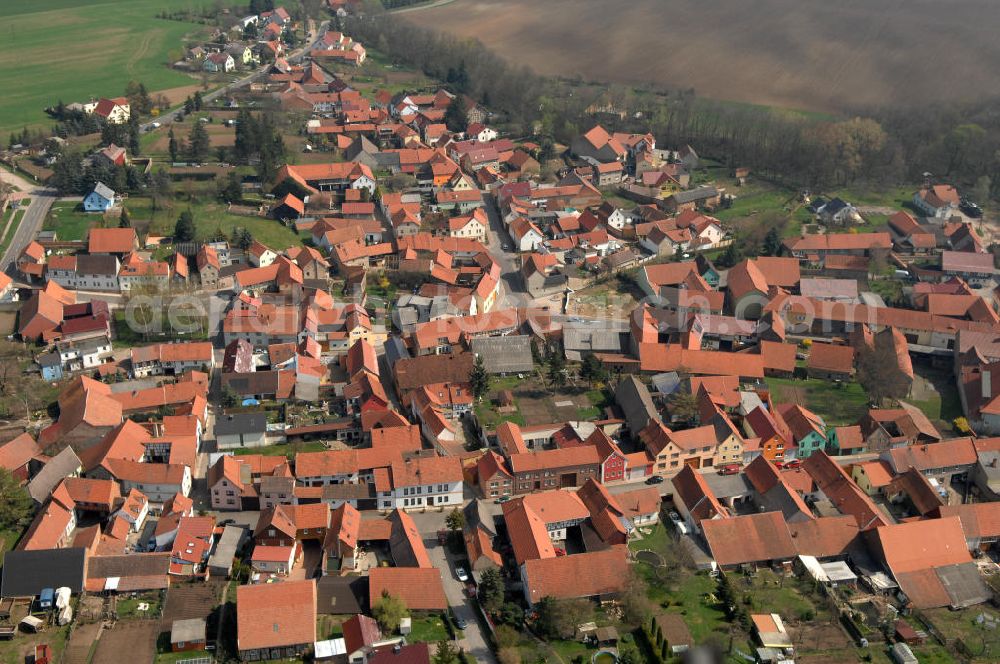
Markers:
730,469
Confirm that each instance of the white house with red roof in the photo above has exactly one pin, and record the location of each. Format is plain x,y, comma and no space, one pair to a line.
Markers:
116,110
939,201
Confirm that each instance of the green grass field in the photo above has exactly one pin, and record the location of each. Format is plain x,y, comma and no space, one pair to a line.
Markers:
211,220
75,49
836,403
69,221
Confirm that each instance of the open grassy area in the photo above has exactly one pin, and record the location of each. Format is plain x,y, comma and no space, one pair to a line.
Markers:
20,649
836,403
983,643
692,596
129,607
655,541
284,449
211,220
428,629
69,221
934,393
77,49
8,538
16,217
888,197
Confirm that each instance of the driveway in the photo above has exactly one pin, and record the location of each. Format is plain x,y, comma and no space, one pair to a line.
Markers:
474,641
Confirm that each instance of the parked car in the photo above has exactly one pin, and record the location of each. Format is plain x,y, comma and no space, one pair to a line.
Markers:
461,574
729,469
461,623
655,479
971,209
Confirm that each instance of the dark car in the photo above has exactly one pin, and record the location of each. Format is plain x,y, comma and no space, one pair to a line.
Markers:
655,479
971,209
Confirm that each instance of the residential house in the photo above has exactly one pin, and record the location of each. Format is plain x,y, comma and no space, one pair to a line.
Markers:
276,620
526,235
241,430
938,201
100,199
113,111
219,62
421,482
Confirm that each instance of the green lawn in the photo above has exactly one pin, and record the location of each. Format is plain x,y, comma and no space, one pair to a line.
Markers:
194,327
961,625
211,221
69,221
836,403
15,650
283,449
429,629
692,596
129,607
945,405
77,49
893,197
656,540
756,200
772,594
16,216
8,538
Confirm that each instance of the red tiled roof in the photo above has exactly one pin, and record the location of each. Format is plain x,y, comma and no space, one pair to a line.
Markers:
580,575
749,539
276,615
111,240
420,588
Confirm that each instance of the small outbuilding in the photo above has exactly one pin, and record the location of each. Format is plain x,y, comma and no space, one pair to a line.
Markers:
187,634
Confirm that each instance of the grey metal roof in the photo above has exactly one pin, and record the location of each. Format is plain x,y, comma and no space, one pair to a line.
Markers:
691,195
104,191
226,548
26,573
48,360
510,354
395,349
579,339
188,630
237,423
633,397
61,466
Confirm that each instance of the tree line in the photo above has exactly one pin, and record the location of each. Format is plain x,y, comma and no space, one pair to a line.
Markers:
959,143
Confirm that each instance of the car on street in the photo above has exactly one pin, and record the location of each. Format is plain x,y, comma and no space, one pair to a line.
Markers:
655,479
461,574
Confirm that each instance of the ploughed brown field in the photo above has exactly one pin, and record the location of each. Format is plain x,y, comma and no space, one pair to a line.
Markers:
818,55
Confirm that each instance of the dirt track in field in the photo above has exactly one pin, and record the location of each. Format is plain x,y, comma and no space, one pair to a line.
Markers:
813,55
